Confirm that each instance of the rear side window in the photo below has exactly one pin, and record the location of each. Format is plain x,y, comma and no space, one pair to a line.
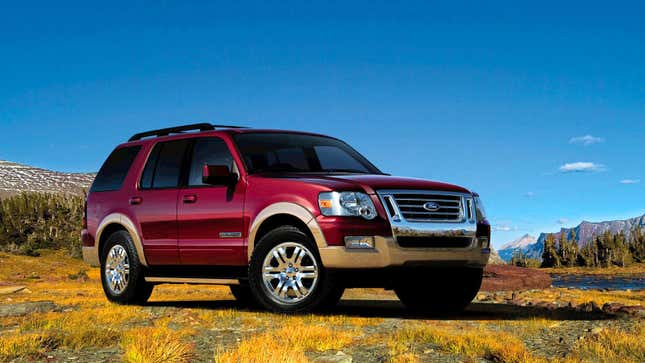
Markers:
113,172
163,168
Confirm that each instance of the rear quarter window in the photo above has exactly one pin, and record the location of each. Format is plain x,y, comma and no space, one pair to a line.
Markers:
113,172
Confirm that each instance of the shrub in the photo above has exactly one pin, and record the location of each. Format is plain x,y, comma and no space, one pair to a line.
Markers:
31,221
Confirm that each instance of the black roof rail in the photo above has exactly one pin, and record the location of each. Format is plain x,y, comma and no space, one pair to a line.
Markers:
179,129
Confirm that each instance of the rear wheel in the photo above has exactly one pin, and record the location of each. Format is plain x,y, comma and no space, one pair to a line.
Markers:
445,290
121,273
286,274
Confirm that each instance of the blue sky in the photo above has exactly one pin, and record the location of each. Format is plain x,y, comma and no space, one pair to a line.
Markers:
489,95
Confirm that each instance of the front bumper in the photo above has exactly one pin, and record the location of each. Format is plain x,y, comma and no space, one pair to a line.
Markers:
387,253
410,239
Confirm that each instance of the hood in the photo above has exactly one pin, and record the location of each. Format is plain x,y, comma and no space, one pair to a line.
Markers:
372,182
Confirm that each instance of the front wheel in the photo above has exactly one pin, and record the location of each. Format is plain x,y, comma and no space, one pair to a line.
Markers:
286,274
445,290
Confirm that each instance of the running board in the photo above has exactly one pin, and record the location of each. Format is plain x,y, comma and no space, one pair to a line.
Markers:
192,280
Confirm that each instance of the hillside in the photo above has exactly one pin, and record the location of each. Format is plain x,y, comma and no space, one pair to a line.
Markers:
495,258
16,178
507,250
584,232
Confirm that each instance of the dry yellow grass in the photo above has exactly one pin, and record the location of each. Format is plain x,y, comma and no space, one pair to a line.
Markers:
473,343
637,268
156,344
21,346
612,345
633,298
287,344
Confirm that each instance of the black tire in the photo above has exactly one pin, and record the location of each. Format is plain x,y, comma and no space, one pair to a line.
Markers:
317,296
439,290
137,290
242,294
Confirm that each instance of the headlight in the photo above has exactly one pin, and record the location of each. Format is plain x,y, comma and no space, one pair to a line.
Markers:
479,206
346,204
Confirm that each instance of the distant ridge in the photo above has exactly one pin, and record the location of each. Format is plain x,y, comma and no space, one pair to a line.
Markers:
494,258
585,231
507,250
16,178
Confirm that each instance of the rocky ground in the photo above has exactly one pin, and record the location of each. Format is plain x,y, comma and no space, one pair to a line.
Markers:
52,309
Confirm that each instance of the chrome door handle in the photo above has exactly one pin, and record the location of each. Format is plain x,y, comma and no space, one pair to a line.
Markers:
190,198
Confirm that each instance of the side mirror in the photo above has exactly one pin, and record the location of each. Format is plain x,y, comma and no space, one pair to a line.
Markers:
218,175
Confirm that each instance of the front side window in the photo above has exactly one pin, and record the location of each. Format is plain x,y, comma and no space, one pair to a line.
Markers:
286,152
163,168
208,151
113,172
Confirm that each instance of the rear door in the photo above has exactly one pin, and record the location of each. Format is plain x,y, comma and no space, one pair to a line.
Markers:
156,201
210,220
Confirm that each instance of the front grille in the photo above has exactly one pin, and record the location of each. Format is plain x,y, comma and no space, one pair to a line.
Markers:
411,207
434,242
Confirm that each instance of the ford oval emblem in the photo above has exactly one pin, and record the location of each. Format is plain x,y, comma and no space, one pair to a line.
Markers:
431,206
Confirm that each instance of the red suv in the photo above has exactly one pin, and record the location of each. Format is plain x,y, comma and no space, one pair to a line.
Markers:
287,219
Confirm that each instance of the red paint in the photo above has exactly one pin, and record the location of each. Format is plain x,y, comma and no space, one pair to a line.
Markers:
200,225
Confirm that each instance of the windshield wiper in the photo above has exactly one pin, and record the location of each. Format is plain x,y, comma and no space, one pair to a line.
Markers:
356,171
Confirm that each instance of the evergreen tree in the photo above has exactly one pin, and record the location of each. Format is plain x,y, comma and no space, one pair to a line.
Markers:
550,254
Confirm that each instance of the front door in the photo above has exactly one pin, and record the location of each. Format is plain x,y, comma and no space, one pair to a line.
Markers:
210,218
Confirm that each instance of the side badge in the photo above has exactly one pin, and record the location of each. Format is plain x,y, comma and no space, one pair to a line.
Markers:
230,234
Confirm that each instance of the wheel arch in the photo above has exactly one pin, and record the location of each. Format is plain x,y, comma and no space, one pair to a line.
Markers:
280,214
119,222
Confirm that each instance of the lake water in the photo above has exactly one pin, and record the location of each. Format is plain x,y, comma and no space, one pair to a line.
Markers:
587,282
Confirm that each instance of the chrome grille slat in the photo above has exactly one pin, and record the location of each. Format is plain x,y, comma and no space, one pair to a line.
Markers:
431,213
410,206
421,206
426,199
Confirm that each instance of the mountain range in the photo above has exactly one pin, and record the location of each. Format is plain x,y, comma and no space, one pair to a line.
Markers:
584,232
507,250
16,178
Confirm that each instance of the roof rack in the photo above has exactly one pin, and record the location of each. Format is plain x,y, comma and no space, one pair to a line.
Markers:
180,129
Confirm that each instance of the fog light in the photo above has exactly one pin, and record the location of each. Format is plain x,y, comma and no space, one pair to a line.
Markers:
484,242
359,242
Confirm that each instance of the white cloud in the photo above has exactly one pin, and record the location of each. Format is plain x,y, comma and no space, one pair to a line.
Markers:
630,181
504,228
586,140
563,220
581,167
529,194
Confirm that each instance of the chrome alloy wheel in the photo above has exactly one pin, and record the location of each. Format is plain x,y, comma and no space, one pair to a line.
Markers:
290,272
117,269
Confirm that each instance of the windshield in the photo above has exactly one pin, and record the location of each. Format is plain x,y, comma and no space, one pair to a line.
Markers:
285,152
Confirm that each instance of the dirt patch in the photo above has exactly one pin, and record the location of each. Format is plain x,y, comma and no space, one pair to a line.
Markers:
27,308
506,278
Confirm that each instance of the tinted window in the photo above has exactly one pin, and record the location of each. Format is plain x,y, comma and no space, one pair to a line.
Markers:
292,158
115,169
149,170
332,158
284,152
208,151
164,165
